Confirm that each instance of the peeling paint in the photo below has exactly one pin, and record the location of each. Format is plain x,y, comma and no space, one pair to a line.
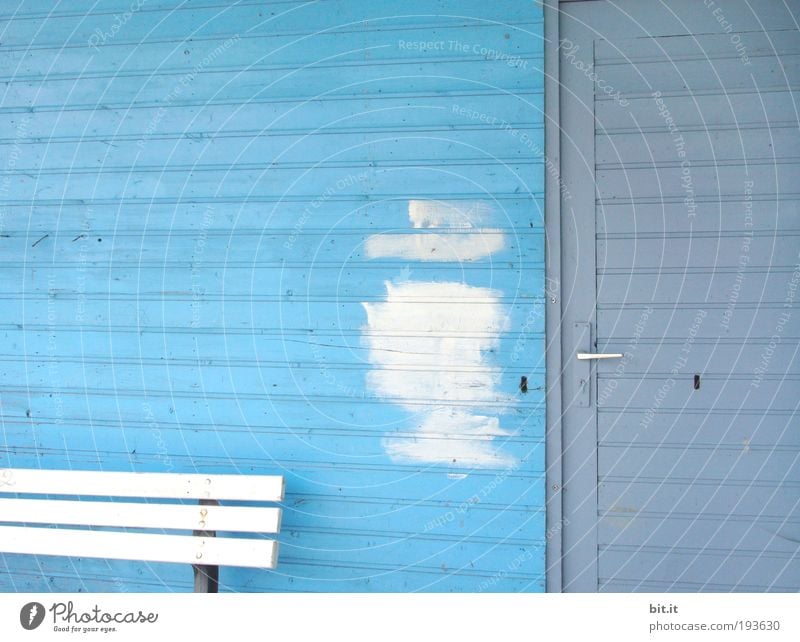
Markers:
452,214
458,431
446,435
453,247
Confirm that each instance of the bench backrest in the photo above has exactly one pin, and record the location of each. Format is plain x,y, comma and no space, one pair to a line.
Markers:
203,519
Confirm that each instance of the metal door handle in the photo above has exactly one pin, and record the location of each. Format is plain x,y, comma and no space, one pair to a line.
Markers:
585,356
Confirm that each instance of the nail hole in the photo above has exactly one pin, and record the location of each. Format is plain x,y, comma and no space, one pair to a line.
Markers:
523,384
697,382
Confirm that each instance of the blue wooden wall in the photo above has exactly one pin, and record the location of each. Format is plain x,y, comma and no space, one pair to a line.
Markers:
283,237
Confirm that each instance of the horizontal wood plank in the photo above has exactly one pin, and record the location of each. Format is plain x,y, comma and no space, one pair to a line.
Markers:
148,485
182,549
243,519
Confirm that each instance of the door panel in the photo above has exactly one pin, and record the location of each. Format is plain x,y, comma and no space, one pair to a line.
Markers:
683,473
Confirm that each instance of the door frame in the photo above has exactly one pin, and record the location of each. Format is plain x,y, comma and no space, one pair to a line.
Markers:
552,224
556,198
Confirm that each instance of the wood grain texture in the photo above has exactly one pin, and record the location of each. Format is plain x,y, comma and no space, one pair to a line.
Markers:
187,202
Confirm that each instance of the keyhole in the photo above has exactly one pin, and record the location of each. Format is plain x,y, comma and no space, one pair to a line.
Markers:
697,382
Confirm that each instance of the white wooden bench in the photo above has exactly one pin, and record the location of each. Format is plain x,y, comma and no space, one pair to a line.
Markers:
21,503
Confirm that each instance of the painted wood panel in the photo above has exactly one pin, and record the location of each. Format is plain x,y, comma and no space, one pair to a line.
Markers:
295,238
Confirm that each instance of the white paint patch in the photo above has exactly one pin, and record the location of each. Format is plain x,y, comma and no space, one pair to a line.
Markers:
468,321
454,438
453,247
453,214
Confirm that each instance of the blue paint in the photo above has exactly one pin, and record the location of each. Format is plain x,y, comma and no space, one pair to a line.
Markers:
184,273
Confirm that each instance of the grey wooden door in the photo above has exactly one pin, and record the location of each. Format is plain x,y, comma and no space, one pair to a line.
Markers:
680,238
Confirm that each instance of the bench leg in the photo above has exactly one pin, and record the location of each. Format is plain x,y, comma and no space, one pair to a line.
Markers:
206,578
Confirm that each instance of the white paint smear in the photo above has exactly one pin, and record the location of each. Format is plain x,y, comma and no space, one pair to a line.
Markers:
454,247
469,331
452,437
458,214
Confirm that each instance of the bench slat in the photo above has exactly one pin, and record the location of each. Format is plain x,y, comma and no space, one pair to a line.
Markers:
182,549
243,519
150,485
